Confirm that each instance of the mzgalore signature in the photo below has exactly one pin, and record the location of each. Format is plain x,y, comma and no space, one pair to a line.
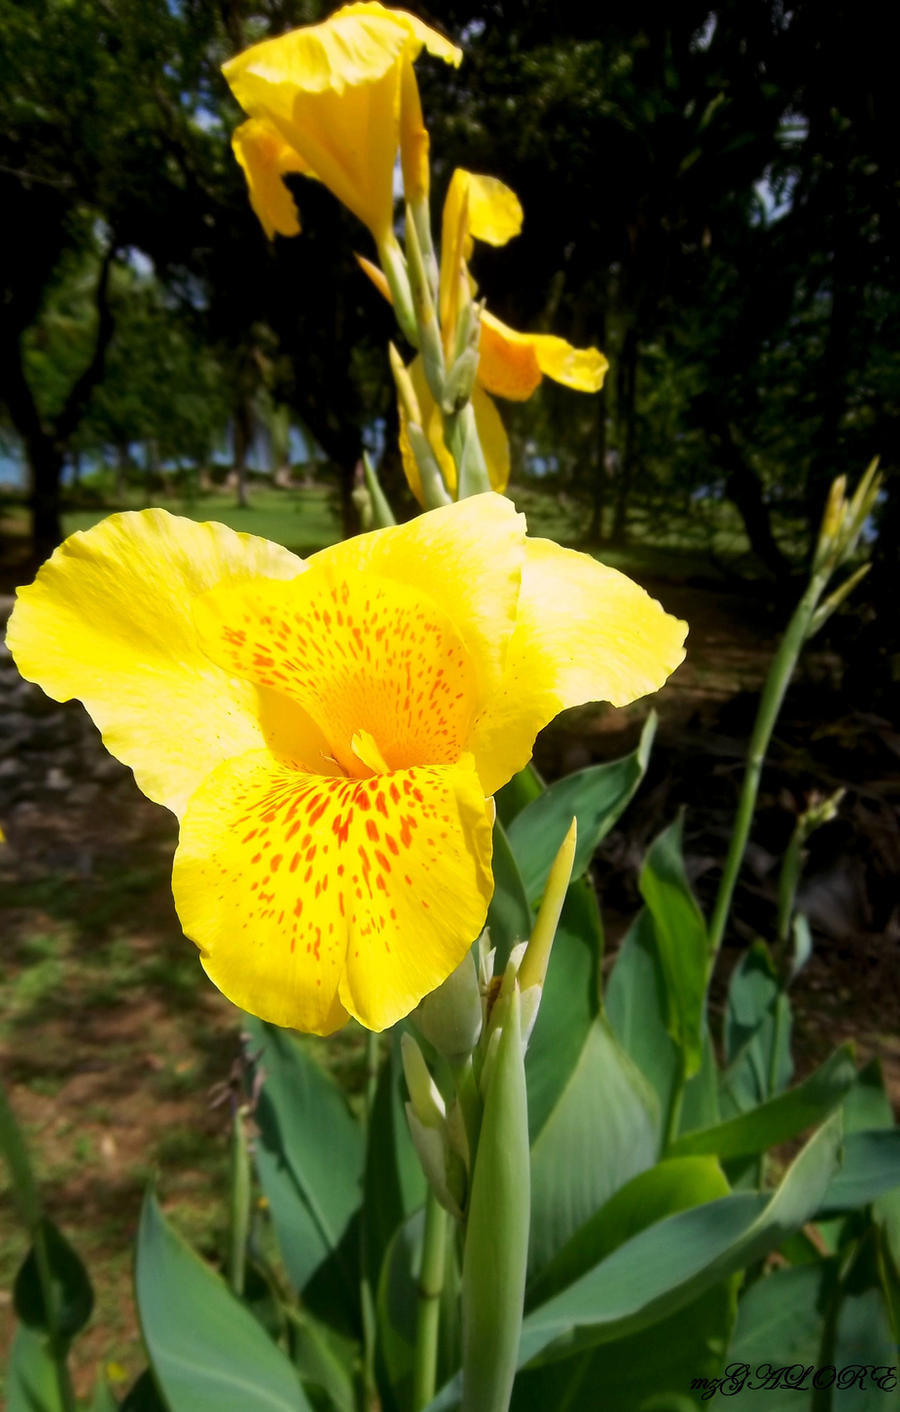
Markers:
800,1377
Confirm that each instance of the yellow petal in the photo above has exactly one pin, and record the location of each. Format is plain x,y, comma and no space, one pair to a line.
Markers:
333,91
264,157
507,367
108,620
414,141
511,364
584,632
364,656
310,898
466,557
475,206
582,369
495,212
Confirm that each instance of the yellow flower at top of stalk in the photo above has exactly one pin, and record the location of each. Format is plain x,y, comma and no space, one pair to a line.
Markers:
333,101
510,364
330,732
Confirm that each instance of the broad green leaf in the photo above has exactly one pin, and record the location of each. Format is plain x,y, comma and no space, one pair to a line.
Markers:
509,917
871,1167
394,1184
650,1369
397,1307
675,1184
72,1292
672,1264
780,1325
325,1360
636,1008
700,1099
31,1384
863,1339
518,792
595,796
602,1131
309,1157
757,1034
207,1351
674,1261
569,1005
778,1120
681,940
867,1105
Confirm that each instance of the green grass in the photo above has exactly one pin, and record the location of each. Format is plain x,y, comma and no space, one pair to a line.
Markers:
303,520
306,519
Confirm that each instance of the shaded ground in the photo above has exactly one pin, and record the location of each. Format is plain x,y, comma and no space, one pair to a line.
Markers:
111,1038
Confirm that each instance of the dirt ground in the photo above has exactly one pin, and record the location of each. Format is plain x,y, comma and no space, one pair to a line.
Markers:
111,1040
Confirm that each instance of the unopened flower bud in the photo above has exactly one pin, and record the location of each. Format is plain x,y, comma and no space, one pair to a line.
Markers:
450,1017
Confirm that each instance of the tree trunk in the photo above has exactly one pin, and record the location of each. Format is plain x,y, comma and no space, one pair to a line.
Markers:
243,435
743,488
45,458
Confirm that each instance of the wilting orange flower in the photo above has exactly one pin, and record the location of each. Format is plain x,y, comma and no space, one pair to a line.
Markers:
330,732
341,95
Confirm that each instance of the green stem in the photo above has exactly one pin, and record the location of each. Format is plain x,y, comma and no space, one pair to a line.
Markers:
431,1285
366,1298
777,682
239,1214
464,445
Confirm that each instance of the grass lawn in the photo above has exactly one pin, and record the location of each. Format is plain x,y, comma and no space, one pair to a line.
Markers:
307,519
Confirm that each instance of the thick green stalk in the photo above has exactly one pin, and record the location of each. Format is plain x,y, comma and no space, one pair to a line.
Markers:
431,1285
497,1225
464,445
777,683
366,1297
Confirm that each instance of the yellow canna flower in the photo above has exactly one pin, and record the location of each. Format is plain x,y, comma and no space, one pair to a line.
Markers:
330,732
510,364
342,94
265,157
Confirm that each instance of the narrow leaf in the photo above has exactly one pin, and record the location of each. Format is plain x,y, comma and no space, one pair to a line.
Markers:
681,940
309,1157
778,1120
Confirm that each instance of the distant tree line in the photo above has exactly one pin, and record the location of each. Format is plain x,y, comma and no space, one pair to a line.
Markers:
710,195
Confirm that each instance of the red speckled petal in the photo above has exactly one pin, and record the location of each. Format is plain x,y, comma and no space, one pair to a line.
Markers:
359,653
312,897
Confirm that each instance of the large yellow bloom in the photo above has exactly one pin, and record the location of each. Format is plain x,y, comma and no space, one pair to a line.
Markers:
330,732
340,94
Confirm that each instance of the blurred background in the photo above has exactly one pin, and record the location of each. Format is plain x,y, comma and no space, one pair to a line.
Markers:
710,196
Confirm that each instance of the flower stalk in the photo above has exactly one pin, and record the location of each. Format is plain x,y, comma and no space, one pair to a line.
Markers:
428,1301
842,524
